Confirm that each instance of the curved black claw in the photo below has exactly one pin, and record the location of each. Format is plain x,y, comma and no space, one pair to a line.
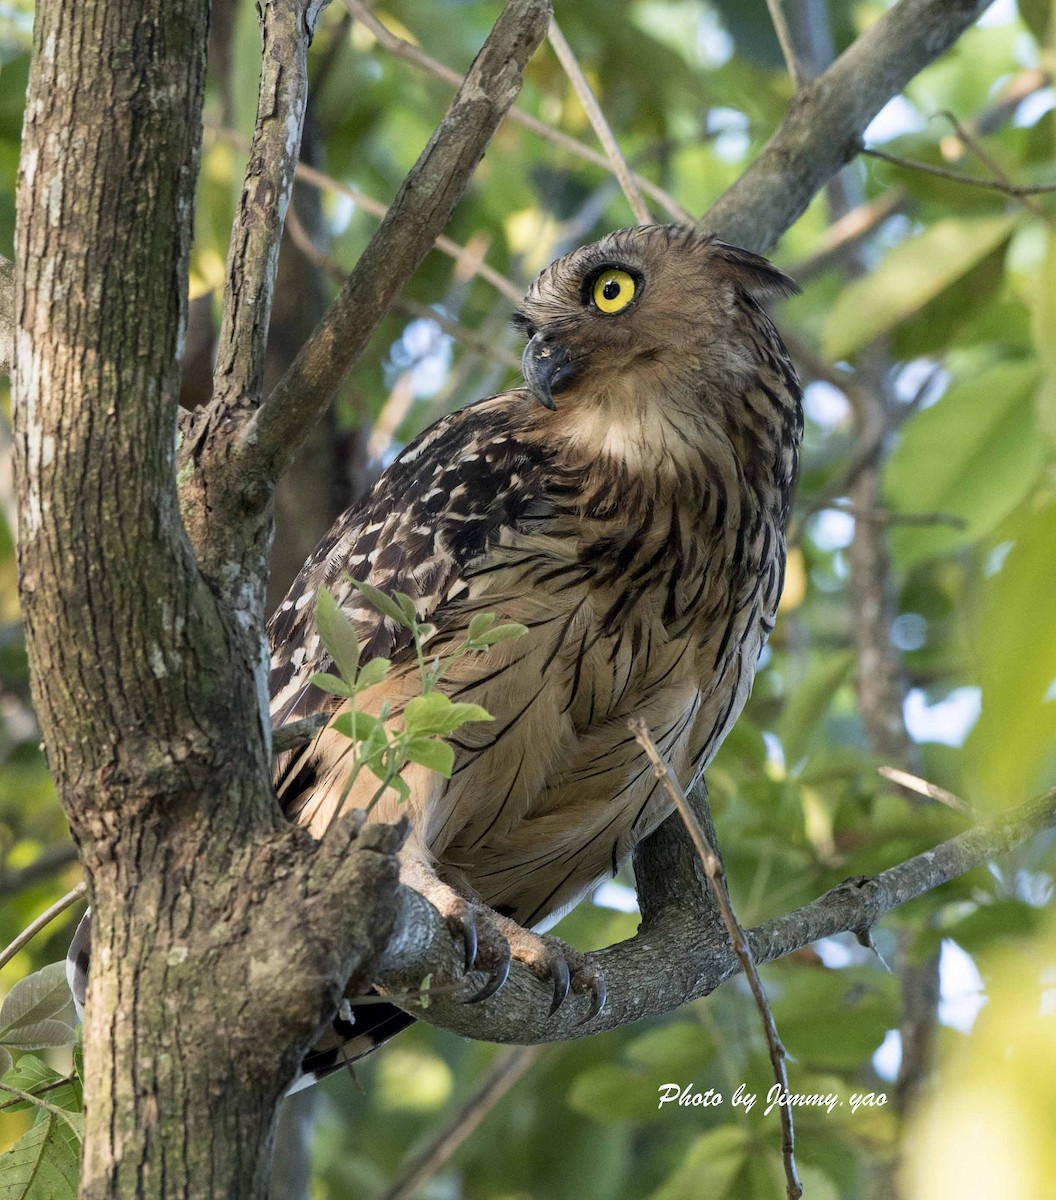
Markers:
599,993
469,939
562,980
498,978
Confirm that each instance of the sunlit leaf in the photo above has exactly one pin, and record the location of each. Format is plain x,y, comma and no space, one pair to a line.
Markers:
972,457
360,726
913,273
373,672
435,713
430,752
44,1164
1011,752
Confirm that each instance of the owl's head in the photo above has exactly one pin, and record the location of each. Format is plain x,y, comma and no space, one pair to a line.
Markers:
667,297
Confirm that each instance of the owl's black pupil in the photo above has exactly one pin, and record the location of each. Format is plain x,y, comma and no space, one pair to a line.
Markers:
611,290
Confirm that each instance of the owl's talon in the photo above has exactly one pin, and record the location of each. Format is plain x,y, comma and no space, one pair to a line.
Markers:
562,978
599,992
495,982
469,939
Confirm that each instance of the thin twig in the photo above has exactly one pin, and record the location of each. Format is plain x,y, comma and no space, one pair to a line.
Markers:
302,240
972,143
375,208
402,49
297,733
592,108
45,918
68,1117
47,1087
784,38
923,788
716,874
979,181
416,1171
50,860
884,516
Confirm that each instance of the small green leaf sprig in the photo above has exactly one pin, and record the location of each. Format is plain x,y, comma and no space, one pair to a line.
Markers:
428,718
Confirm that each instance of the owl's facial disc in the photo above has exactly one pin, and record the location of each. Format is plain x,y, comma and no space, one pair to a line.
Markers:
548,369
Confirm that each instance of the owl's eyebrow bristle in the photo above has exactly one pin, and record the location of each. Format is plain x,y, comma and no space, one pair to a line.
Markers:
522,321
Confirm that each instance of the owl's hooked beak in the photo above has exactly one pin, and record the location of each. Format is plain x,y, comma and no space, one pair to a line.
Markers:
548,368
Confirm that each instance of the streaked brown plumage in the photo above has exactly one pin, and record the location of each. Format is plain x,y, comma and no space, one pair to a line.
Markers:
636,528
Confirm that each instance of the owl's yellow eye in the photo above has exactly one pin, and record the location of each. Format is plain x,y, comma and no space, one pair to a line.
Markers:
613,291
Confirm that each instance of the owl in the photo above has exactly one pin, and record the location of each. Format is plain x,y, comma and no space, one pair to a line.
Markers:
627,505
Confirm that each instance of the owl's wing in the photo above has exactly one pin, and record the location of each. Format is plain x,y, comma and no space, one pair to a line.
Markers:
431,516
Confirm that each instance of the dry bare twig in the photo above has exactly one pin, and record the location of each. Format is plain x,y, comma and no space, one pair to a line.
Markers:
424,62
45,919
1005,186
716,874
618,164
419,1168
784,38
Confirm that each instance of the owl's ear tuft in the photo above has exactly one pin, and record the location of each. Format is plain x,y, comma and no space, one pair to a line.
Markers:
757,275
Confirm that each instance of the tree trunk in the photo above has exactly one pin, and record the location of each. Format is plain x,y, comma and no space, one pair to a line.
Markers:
144,681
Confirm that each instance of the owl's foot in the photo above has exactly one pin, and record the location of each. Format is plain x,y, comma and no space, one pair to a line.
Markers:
551,959
492,941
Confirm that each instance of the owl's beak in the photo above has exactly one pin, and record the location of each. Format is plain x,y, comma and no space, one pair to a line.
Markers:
548,368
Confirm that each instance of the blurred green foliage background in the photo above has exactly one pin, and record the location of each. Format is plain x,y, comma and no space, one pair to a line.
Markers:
949,300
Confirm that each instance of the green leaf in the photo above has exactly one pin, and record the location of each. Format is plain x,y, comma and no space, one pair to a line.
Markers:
40,997
337,634
44,1164
915,272
973,456
365,726
6,1061
809,701
432,753
612,1092
1011,752
712,1164
480,624
435,713
835,1019
407,607
384,604
1043,325
331,684
373,673
502,633
37,1034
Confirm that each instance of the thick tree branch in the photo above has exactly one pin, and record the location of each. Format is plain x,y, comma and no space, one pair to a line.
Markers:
287,27
696,956
415,218
823,127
